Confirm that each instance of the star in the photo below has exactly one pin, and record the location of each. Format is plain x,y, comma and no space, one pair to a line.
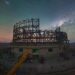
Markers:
7,2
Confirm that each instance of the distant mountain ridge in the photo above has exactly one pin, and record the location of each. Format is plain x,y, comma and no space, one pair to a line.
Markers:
4,44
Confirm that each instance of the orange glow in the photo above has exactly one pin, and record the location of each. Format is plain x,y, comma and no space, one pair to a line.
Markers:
6,35
6,38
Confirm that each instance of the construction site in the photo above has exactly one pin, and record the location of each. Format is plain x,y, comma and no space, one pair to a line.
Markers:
27,34
37,51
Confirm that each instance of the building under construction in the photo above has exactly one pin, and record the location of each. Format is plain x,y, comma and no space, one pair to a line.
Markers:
36,45
28,31
27,34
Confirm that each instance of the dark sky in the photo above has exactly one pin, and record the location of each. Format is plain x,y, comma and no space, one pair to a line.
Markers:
52,13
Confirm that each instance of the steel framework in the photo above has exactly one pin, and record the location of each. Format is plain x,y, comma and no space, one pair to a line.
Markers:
28,31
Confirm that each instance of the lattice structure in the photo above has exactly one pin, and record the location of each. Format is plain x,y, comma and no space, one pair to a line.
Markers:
28,31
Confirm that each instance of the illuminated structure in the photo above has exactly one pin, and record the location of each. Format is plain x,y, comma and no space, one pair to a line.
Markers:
33,45
28,31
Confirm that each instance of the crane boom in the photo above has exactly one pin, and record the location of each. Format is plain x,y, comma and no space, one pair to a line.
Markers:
20,62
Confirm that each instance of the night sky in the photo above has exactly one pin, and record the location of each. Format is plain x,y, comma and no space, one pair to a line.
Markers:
52,13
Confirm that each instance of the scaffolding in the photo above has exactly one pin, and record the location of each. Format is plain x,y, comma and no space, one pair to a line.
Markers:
28,31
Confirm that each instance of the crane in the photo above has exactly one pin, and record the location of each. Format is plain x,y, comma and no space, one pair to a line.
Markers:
21,60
